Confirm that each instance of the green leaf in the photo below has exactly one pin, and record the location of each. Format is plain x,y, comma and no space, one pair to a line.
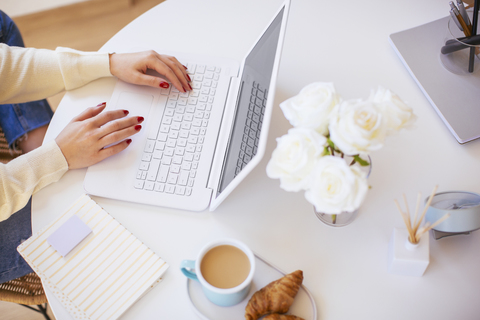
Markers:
330,143
361,161
326,151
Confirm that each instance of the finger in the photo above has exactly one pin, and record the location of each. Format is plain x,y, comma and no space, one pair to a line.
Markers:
152,81
182,68
116,136
105,117
161,67
90,112
178,69
110,151
118,125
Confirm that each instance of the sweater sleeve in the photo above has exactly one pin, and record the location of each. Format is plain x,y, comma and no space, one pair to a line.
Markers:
28,74
25,175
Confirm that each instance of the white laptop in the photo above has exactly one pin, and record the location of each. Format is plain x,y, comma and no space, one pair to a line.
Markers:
196,147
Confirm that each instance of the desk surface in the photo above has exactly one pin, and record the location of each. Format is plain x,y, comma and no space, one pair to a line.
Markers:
342,42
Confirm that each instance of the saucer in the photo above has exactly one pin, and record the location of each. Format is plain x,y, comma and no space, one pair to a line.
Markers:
303,305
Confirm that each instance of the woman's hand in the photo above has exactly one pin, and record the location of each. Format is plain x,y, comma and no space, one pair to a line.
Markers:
132,67
84,139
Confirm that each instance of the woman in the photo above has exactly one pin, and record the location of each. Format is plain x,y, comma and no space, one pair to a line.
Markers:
28,74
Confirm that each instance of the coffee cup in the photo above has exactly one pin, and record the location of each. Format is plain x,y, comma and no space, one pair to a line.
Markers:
224,269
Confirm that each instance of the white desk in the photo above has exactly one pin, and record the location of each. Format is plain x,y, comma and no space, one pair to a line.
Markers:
345,42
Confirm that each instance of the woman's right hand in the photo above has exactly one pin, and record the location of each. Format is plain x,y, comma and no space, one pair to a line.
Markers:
132,68
84,139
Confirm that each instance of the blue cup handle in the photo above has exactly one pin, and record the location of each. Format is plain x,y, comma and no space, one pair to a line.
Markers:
188,264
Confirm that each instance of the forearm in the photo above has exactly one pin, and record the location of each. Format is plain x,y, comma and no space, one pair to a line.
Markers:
27,174
28,74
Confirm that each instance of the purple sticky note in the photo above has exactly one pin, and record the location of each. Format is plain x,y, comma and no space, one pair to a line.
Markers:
69,235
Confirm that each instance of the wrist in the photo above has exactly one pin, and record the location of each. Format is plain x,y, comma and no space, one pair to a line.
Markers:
111,62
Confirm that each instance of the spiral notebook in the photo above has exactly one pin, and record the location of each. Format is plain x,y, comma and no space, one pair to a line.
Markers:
105,274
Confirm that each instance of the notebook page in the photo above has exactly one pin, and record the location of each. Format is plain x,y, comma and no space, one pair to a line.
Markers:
101,277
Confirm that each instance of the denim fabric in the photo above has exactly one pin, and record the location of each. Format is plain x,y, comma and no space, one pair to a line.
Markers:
18,119
13,232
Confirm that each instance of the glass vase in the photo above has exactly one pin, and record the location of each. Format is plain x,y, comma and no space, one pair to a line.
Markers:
336,220
346,217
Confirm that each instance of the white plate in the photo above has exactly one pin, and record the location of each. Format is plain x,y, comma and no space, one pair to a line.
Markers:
303,305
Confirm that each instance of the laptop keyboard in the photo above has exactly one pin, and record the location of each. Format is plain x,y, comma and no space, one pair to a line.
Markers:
169,163
253,125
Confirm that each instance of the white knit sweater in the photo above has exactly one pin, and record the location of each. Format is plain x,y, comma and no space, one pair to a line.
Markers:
28,74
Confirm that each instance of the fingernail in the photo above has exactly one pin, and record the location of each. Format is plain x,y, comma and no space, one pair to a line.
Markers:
164,85
190,86
101,104
138,127
129,141
184,90
184,67
126,112
189,79
140,119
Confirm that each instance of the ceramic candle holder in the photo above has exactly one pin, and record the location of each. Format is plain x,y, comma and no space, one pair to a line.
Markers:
405,258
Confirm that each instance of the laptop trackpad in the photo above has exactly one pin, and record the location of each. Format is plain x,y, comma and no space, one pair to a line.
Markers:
137,104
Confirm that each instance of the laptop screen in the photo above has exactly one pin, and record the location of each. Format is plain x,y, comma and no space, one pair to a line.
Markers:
251,103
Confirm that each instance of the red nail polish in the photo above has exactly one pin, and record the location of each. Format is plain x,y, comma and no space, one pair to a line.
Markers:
140,119
126,112
184,90
189,79
138,127
164,85
184,67
190,87
129,141
101,104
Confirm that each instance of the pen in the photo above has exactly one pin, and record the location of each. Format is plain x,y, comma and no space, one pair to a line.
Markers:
464,14
471,60
456,20
466,30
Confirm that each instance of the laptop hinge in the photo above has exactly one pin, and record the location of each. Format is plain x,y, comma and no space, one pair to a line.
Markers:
223,136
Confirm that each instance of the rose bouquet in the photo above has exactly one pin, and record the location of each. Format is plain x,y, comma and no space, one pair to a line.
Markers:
328,130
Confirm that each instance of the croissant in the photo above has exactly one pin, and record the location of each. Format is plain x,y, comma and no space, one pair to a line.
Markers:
276,316
276,297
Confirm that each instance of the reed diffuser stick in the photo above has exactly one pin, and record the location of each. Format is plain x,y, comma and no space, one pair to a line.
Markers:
417,208
414,233
407,211
426,208
411,235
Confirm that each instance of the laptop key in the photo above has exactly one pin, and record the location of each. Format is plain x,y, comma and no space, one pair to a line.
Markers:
163,173
149,185
169,188
159,187
149,145
139,184
152,171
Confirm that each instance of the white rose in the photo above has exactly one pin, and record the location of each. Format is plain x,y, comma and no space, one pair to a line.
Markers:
311,107
294,158
398,114
357,126
337,187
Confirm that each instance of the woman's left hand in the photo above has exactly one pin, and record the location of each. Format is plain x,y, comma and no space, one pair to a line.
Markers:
94,135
